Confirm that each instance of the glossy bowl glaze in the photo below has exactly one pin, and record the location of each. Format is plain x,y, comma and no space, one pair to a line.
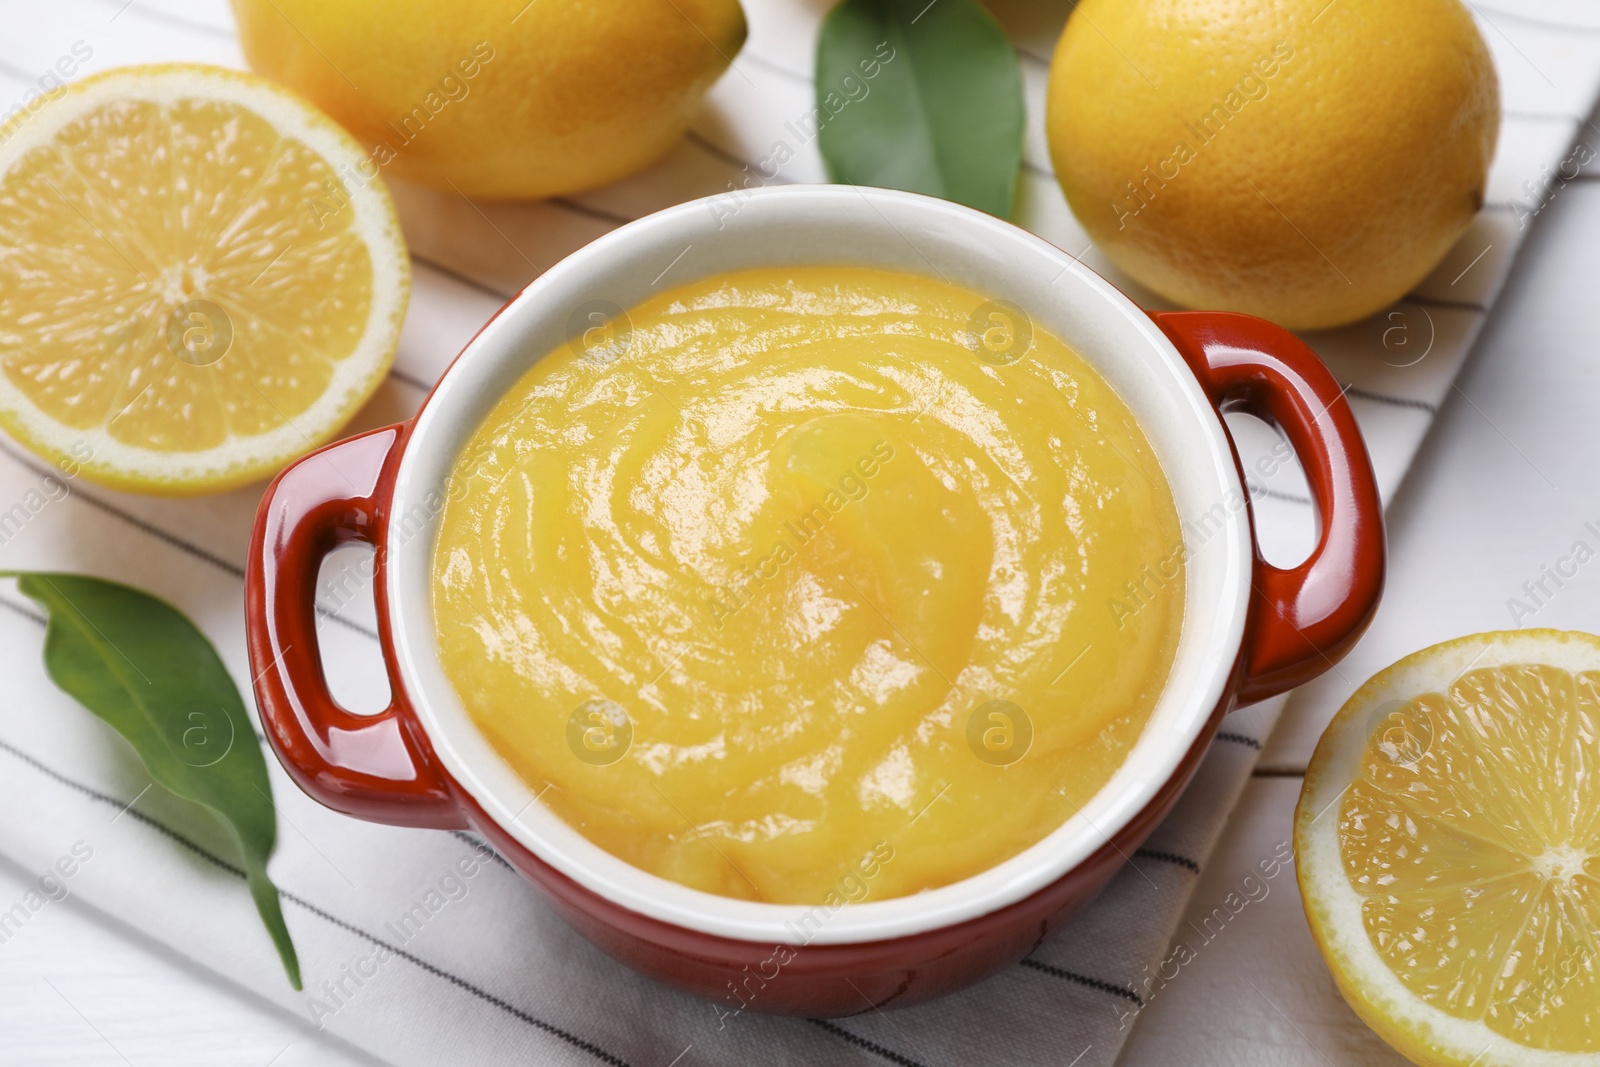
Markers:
1250,629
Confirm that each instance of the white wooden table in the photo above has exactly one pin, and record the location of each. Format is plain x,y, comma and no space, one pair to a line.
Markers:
1503,486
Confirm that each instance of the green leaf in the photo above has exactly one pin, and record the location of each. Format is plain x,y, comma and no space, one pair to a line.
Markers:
143,667
921,96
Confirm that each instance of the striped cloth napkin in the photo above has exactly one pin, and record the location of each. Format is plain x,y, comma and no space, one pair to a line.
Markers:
423,947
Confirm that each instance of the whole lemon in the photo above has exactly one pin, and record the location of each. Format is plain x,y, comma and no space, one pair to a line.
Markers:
504,99
1306,161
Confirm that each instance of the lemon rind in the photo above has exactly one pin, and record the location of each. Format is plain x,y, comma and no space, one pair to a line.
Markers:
1417,1029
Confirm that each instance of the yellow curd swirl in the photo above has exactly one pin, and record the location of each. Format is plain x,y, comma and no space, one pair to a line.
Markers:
807,585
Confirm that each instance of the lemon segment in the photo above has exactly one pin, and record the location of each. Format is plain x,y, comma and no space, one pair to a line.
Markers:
196,284
1448,839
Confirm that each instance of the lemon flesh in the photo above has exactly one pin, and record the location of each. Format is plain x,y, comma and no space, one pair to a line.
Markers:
195,285
1449,842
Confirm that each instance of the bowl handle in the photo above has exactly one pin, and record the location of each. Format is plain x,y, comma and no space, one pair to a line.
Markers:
1304,619
365,765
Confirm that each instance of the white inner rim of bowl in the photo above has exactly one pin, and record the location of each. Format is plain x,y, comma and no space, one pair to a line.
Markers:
869,227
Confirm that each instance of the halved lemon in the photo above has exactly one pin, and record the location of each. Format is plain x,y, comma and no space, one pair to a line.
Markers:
201,277
1448,850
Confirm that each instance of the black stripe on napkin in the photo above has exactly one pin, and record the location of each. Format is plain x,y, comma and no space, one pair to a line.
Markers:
411,380
456,980
462,279
159,534
861,1042
1169,857
94,794
31,616
1392,401
1084,980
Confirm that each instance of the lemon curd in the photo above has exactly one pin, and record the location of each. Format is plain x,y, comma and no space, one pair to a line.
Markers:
810,584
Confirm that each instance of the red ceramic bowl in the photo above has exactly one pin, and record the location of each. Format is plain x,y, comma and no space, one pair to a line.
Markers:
1250,629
